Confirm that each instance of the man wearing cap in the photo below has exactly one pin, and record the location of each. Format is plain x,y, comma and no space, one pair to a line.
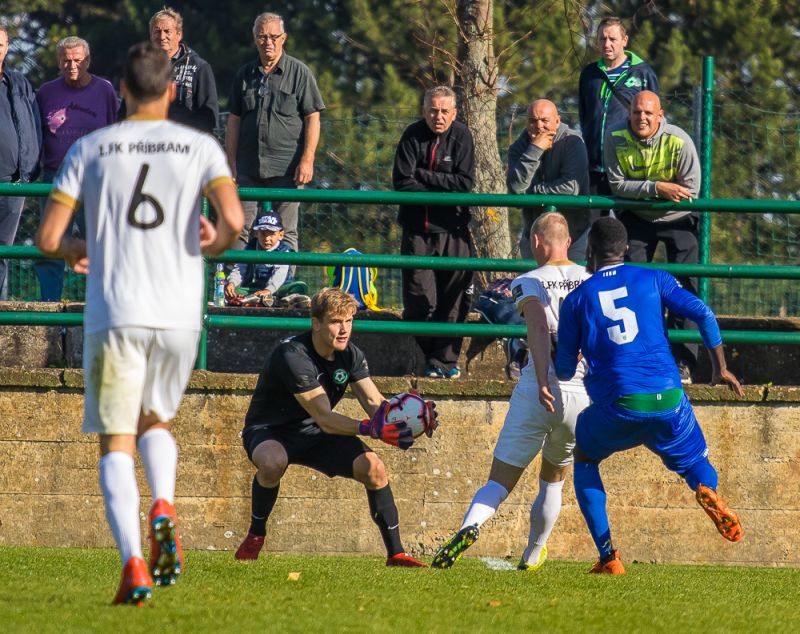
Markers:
261,278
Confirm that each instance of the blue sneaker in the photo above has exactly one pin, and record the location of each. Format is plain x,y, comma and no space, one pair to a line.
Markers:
452,373
433,373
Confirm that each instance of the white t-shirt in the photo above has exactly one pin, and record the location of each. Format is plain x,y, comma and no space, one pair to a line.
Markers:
550,284
140,182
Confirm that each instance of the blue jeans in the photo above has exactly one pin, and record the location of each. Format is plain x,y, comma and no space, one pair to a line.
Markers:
10,212
51,272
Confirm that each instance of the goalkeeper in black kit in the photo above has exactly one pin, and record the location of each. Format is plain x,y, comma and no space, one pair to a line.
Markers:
291,421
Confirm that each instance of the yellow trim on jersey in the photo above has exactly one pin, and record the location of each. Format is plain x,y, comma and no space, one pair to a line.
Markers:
65,199
219,180
525,300
559,263
143,117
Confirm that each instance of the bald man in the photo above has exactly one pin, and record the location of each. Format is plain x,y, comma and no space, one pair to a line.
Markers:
549,158
543,411
650,158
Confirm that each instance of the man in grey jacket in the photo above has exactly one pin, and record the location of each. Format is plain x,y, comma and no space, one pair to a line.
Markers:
650,158
549,158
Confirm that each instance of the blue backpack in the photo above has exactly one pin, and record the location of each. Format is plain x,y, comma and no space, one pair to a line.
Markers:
358,281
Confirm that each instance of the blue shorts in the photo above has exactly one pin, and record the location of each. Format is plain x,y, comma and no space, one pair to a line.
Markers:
673,435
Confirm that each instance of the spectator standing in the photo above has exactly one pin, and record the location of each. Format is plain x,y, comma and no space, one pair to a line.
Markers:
195,102
70,107
19,151
605,91
549,158
436,154
274,124
650,158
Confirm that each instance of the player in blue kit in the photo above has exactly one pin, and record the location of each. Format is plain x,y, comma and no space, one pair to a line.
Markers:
615,320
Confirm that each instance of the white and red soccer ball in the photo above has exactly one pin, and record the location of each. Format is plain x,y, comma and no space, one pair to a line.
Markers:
411,409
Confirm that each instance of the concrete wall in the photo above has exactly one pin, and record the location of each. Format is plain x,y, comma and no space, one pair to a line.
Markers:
49,495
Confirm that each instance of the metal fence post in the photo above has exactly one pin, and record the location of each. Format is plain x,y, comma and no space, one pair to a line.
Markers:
202,347
706,168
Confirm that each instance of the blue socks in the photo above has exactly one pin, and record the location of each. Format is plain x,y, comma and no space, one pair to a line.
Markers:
592,501
701,472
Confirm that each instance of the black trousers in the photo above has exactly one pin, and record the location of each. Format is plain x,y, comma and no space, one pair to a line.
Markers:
680,241
437,296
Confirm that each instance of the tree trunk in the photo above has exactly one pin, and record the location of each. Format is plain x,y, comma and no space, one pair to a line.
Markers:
478,73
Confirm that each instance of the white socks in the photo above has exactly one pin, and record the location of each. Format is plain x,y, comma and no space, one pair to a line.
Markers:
486,501
544,513
159,454
121,495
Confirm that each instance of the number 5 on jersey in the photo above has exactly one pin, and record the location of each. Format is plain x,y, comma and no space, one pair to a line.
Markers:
630,327
139,198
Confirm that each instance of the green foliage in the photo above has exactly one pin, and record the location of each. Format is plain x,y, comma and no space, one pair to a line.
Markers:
373,59
338,594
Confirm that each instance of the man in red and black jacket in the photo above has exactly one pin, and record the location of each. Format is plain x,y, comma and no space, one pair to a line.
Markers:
436,154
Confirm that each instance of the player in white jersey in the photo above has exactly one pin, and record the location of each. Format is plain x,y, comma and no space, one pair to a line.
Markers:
140,182
542,412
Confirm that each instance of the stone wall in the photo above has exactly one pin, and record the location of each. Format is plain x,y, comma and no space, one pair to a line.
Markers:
49,495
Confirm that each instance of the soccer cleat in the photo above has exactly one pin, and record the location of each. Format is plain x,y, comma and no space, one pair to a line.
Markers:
612,565
404,560
453,373
726,521
432,372
250,547
166,553
136,585
450,552
524,565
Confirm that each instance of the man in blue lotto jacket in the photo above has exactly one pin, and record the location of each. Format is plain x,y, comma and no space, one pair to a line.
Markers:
615,320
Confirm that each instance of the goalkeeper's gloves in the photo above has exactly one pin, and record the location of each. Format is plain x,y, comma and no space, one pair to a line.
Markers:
397,434
431,415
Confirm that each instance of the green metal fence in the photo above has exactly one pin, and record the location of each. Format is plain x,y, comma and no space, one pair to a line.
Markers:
396,262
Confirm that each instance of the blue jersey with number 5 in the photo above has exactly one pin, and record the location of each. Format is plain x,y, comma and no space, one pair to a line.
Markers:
616,320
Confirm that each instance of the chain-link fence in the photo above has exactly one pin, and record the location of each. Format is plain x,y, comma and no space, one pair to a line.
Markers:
755,156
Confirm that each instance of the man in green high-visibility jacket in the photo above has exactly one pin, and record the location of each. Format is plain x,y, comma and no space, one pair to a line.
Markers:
650,158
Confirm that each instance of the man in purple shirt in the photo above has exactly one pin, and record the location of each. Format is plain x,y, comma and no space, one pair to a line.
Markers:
70,107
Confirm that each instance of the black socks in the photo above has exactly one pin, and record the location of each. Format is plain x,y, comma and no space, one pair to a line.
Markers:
383,511
262,502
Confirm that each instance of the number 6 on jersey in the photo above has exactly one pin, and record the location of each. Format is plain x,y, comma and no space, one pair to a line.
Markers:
619,313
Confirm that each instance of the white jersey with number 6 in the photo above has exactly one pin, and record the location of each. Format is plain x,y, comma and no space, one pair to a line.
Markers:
140,182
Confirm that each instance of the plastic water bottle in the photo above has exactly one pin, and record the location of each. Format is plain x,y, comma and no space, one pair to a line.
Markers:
219,286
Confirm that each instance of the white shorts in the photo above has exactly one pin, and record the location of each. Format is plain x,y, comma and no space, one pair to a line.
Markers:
530,428
128,371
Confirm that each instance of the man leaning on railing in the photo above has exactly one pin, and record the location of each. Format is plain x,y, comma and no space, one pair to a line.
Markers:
649,158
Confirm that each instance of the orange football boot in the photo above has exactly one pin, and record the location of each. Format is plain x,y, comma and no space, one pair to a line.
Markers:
136,585
611,567
166,553
726,521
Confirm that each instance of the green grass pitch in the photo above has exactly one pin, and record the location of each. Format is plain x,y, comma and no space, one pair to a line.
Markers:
69,590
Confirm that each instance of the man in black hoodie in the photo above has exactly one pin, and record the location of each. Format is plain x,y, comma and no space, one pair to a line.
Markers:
436,154
195,102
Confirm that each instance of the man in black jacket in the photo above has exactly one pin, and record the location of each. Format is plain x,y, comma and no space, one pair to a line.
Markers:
195,102
20,141
605,91
436,154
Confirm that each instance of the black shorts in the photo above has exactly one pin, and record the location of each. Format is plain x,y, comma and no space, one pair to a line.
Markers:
330,454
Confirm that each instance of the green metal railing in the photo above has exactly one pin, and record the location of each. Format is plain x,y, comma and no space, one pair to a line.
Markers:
703,270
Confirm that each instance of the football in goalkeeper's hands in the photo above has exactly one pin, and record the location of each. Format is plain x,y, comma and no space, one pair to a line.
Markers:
408,408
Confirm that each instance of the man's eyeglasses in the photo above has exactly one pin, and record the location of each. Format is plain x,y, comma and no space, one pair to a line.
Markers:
272,38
